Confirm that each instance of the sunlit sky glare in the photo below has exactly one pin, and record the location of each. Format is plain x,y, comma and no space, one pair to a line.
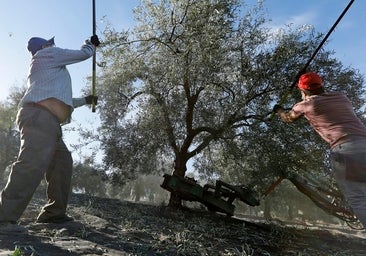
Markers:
70,21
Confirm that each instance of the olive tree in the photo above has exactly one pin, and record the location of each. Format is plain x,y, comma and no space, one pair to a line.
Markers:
196,78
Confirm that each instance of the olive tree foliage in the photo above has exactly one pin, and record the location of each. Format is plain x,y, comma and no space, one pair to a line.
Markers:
198,80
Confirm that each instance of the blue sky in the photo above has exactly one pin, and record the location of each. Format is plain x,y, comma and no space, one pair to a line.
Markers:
70,21
347,40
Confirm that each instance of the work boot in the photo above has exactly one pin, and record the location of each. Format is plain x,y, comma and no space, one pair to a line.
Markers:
56,219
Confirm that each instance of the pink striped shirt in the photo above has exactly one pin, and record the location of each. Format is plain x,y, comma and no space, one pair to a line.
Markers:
332,117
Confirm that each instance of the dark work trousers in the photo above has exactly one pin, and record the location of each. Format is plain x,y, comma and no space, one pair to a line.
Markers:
348,162
42,154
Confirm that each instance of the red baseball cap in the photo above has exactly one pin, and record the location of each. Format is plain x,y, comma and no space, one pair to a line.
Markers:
310,81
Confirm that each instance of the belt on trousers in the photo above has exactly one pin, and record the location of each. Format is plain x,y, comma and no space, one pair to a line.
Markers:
36,105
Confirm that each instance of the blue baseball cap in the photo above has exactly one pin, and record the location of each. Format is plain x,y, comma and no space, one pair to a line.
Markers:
37,43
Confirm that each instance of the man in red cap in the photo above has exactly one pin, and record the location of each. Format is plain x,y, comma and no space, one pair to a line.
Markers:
332,116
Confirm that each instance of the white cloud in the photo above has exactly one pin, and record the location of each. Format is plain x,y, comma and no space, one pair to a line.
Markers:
302,19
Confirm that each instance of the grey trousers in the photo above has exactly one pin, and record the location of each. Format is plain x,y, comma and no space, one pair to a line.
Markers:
348,162
42,154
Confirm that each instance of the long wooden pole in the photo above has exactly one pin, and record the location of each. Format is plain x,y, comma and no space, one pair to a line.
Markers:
322,42
303,70
94,60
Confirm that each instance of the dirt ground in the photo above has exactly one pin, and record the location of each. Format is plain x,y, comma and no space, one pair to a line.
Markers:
114,227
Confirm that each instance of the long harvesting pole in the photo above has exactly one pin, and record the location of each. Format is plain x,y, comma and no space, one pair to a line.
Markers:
94,59
324,40
303,70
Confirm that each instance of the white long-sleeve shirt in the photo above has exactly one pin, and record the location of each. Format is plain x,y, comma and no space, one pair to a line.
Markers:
48,76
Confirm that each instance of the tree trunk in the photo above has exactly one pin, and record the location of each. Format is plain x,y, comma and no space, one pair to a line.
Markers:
267,210
138,190
290,212
175,202
180,169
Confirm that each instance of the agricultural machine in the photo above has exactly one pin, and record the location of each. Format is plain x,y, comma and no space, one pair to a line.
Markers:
220,197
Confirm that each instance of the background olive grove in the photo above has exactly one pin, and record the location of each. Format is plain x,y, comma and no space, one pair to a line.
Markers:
189,90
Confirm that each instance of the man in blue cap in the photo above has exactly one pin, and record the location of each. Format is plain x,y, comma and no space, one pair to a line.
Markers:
46,105
37,43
